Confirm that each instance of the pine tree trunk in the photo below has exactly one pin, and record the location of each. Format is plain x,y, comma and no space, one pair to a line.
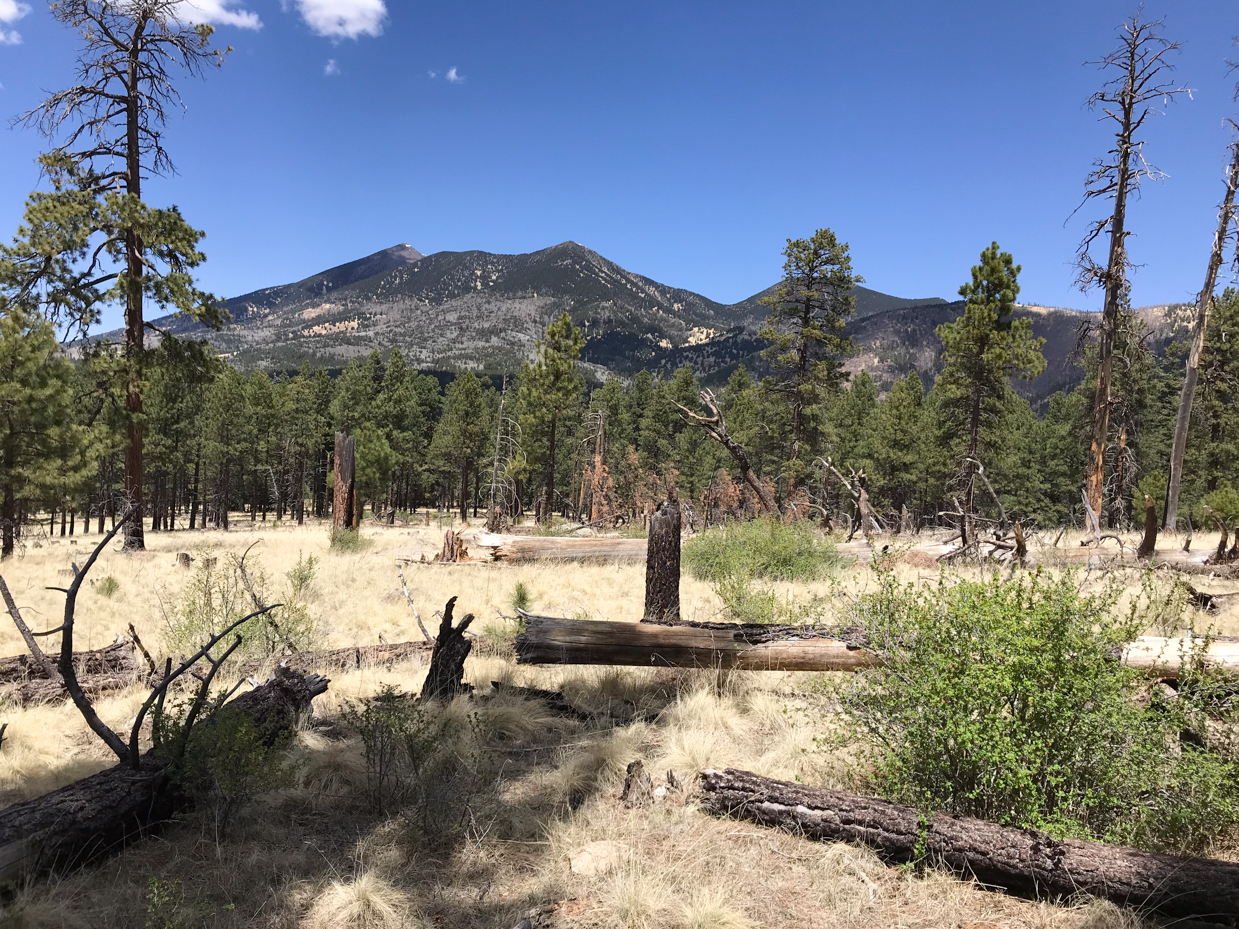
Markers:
9,519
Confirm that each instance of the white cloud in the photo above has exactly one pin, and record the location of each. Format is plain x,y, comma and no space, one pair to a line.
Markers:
331,69
343,19
433,74
10,12
215,12
453,77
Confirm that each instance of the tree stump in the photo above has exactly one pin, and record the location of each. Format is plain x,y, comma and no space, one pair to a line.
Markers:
445,679
662,565
453,549
344,499
1149,543
184,560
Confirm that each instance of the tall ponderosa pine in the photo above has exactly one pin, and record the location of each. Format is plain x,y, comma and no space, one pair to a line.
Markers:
91,240
549,388
809,308
464,434
982,350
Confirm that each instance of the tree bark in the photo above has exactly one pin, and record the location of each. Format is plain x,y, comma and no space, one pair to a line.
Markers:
102,813
662,565
1204,303
504,547
1022,861
118,658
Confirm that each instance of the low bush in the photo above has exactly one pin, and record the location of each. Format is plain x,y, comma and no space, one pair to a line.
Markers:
740,559
347,541
107,586
1004,700
763,549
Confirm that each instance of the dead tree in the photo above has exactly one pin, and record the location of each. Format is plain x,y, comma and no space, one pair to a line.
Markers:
1204,303
662,565
1127,100
1094,525
858,489
1148,544
445,679
716,427
1022,861
344,501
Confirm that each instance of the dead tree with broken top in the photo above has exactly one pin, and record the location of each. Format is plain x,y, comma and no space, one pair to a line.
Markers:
1204,303
715,427
1140,65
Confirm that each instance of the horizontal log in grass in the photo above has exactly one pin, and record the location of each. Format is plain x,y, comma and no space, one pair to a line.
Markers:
1021,861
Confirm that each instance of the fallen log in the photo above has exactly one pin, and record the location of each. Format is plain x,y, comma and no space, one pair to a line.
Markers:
103,812
758,647
1022,861
118,658
555,548
753,646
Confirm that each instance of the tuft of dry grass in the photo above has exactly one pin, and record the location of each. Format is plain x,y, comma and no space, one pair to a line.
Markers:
365,902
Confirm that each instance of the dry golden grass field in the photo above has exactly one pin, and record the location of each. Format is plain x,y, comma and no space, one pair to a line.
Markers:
541,823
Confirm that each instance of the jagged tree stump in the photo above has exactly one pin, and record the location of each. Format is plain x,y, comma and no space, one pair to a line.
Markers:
1148,545
344,497
662,565
445,679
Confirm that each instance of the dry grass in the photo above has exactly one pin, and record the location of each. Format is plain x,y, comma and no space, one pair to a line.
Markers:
315,856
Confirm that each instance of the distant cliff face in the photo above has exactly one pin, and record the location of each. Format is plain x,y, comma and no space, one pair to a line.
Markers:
476,310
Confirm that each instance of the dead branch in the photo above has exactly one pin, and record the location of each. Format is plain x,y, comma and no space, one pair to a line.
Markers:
413,606
716,427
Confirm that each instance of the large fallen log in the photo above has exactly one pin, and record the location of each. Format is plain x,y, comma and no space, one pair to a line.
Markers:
103,812
118,658
756,647
1022,861
555,548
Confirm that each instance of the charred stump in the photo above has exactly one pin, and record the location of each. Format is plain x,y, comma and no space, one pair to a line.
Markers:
344,501
662,565
1148,544
445,679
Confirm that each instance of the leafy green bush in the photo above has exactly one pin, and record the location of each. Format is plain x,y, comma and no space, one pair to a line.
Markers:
347,541
737,559
215,597
1225,505
1003,700
767,549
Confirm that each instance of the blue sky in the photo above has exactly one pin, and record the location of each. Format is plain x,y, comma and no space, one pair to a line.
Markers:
684,141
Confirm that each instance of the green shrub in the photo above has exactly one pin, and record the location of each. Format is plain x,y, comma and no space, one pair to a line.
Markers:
739,558
1225,505
767,549
1003,700
107,586
417,761
347,541
215,597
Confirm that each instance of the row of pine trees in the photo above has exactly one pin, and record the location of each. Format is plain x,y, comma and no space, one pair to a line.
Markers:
222,444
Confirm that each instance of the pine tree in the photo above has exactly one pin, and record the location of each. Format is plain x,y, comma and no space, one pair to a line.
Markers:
981,351
37,429
549,389
809,308
897,447
464,433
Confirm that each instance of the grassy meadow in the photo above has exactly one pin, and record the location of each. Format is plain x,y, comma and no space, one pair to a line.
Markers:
535,819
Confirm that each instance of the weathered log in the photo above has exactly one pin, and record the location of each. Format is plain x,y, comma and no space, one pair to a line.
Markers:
1022,861
662,565
1148,544
758,647
753,646
556,548
103,812
118,658
445,678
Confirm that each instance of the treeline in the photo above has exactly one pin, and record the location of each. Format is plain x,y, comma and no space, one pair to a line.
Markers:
222,444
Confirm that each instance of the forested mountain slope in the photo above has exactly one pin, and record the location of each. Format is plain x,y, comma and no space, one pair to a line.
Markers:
482,311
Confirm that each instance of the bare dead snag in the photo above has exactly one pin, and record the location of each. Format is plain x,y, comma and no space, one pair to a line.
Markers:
445,679
1022,861
662,565
412,606
1219,553
1094,524
345,492
1148,545
716,427
1021,544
